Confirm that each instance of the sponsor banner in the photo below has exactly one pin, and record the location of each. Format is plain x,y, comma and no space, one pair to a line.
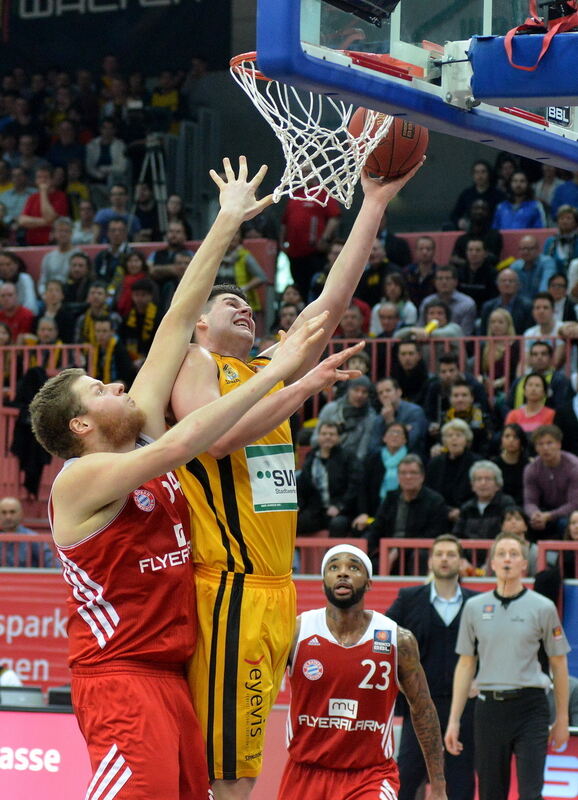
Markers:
147,35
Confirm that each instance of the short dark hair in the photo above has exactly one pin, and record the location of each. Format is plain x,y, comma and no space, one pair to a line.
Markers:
556,276
144,285
543,296
462,382
393,381
449,358
441,304
226,288
447,268
330,425
451,539
412,458
547,430
547,345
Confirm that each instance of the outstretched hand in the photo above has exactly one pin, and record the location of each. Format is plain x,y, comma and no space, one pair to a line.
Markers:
295,347
327,372
384,190
237,193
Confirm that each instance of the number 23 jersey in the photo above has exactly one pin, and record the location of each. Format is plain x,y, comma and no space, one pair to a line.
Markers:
342,698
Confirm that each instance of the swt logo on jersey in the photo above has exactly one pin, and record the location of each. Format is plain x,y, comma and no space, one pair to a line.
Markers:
340,707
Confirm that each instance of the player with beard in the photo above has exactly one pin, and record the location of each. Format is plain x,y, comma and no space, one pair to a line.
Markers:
432,613
345,667
121,526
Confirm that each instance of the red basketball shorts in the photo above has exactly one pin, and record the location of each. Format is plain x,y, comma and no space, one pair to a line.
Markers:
373,783
143,737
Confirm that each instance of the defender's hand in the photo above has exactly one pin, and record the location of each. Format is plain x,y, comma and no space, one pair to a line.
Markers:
237,193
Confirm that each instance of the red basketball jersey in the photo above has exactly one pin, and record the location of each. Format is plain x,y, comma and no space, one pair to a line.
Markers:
342,698
131,592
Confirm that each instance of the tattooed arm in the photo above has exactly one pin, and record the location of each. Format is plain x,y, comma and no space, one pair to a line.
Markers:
423,713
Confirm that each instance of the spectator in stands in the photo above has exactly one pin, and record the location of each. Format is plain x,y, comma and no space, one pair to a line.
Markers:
562,247
482,189
76,188
369,288
166,97
388,322
567,420
112,361
546,326
412,511
480,227
48,354
511,300
519,210
66,147
42,208
107,261
24,123
541,361
97,308
53,307
481,517
176,213
134,269
86,100
319,278
105,156
84,229
307,230
13,270
394,409
396,249
242,269
533,268
56,263
15,198
351,323
394,291
477,278
545,187
79,279
379,474
463,406
448,473
161,260
534,412
327,486
141,322
499,358
27,158
512,460
16,555
147,213
118,209
564,307
550,484
420,274
515,521
354,415
437,391
506,165
288,313
291,294
463,308
116,107
19,319
567,194
570,570
437,314
410,372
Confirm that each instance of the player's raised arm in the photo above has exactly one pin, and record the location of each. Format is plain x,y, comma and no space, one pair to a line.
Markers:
349,265
153,384
423,712
107,476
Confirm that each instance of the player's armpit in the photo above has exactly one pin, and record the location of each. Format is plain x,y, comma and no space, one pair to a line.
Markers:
423,713
197,382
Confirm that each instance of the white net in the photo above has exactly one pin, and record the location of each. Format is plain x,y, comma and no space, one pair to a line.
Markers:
321,162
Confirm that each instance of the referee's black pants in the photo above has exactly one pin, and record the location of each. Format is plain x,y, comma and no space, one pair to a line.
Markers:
458,770
517,725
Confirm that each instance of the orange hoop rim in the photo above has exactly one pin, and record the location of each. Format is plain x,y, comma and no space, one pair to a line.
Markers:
237,64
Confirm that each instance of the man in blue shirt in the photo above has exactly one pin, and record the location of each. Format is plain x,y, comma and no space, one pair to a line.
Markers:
16,554
567,194
533,269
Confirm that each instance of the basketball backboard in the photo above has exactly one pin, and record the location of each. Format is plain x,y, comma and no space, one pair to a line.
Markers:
422,68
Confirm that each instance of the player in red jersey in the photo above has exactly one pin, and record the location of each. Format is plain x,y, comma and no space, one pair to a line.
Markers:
346,667
121,525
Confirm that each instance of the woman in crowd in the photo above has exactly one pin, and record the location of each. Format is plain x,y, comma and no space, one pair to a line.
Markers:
133,269
176,213
448,473
394,291
380,473
291,294
512,460
13,270
499,358
534,412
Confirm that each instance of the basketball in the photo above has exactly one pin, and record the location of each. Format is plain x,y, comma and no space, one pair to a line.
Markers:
401,149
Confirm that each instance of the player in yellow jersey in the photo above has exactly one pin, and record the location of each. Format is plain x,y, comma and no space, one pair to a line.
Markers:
243,500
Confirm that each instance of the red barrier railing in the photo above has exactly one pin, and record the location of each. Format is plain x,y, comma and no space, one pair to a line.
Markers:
15,360
311,550
559,547
407,556
27,550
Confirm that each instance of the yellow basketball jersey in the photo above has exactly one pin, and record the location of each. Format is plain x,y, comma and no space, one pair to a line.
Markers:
244,505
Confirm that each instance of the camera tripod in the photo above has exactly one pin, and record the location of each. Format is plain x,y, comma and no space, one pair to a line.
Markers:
154,161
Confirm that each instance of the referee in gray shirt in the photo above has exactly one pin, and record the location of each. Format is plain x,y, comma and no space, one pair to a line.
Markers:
500,635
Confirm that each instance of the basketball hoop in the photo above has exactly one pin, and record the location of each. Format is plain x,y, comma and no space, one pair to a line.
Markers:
321,162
